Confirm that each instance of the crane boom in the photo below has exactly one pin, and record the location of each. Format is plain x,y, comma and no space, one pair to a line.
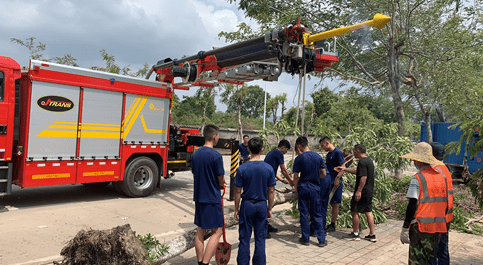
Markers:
290,49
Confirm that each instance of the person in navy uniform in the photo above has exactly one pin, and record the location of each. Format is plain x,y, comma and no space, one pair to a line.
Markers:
275,159
257,180
208,172
310,181
334,159
244,154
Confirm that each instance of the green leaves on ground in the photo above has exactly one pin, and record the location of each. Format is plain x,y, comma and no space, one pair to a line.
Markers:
152,247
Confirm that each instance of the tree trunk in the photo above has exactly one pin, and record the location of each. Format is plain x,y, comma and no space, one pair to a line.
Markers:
204,117
283,110
395,83
183,243
440,113
427,123
393,78
274,113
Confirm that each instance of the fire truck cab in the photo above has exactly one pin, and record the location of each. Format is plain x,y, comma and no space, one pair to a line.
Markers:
68,125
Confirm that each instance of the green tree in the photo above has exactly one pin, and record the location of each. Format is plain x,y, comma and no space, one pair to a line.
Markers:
385,59
251,102
233,96
274,103
323,100
36,52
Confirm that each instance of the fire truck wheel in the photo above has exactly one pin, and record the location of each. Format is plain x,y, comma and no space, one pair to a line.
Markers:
140,177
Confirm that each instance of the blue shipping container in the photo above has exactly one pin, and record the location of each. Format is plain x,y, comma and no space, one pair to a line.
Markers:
443,134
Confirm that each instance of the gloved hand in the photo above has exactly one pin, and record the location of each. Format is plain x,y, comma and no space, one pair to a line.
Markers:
404,237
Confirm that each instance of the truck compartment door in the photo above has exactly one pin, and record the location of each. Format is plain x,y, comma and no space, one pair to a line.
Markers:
146,120
53,121
101,124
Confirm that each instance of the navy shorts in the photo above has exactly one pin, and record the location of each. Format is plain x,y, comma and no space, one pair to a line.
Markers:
364,205
209,215
337,198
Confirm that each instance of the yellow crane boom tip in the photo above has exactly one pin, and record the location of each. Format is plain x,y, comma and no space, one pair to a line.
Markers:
380,20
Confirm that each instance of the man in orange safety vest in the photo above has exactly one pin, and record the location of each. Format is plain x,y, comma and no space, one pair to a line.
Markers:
428,203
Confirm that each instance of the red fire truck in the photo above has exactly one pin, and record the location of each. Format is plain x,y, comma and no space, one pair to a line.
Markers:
67,125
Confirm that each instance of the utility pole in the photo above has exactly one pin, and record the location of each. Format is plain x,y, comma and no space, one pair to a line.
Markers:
265,106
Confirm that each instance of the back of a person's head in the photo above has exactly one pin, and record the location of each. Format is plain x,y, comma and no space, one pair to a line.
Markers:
255,145
283,143
360,148
324,139
438,150
302,141
210,131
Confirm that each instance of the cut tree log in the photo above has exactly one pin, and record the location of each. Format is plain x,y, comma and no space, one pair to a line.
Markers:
183,243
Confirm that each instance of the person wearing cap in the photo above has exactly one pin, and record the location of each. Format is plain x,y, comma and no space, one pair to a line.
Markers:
426,212
443,252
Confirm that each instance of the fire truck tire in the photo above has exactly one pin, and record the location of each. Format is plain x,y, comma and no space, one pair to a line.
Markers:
140,177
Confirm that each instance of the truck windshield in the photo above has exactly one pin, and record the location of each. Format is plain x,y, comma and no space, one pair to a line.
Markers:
1,85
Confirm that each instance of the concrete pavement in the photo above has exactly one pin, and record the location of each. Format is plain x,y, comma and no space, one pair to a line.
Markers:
284,247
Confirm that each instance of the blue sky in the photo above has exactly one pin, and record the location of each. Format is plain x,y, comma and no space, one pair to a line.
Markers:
135,31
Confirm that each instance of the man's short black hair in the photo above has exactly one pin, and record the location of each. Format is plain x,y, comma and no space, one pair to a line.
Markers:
285,143
255,145
209,131
246,135
302,141
360,148
324,139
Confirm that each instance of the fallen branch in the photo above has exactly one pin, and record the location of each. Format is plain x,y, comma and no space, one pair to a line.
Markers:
467,224
183,243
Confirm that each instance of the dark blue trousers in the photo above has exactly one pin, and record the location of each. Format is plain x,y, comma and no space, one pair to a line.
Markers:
324,197
309,202
443,252
253,215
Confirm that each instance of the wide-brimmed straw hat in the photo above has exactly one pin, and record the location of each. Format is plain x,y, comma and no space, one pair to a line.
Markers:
423,152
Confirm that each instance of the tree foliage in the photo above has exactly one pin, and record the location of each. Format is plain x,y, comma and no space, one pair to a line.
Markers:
36,52
406,59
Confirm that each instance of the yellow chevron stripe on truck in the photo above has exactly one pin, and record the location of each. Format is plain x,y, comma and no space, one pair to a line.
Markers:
135,116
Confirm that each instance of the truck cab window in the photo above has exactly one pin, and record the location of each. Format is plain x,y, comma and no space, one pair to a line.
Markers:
2,78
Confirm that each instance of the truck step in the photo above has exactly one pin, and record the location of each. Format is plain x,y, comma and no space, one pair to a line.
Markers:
3,194
3,167
3,180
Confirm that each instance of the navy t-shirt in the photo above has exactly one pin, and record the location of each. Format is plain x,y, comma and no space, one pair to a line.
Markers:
333,160
309,165
207,166
255,177
243,150
274,158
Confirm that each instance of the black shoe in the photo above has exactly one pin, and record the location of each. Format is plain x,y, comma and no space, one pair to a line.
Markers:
370,238
352,236
268,236
322,244
312,234
330,228
272,229
301,241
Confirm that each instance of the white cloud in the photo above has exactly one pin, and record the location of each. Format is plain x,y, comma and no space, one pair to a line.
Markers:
215,21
